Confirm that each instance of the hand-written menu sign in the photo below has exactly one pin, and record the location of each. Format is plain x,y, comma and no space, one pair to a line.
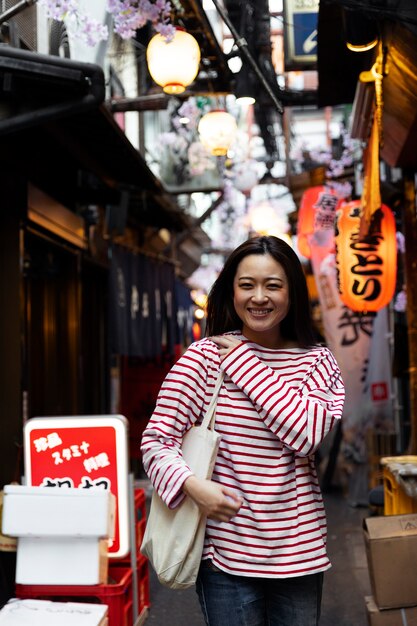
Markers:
84,452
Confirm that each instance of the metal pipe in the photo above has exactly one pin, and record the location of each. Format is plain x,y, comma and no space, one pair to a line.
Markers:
197,222
243,47
9,13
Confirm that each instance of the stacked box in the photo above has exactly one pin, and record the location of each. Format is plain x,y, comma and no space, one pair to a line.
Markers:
117,594
115,591
62,533
391,550
390,617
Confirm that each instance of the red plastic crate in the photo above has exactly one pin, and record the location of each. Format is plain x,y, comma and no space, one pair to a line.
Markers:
117,594
140,523
143,584
140,531
140,517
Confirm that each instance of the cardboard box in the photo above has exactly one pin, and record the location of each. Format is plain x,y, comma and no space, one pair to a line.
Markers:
391,550
390,617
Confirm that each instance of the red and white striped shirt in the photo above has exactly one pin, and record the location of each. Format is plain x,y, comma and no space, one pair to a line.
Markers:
274,409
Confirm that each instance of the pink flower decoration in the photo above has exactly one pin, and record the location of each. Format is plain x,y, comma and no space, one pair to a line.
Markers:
128,16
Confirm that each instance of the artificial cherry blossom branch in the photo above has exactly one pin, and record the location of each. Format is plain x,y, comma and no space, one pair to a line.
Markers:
128,16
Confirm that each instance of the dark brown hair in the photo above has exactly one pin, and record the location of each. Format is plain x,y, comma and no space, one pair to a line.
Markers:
221,314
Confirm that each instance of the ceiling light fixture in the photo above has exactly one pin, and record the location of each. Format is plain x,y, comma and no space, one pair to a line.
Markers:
360,31
244,91
173,65
217,130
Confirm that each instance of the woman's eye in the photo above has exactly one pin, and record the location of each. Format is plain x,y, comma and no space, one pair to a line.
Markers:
245,285
273,286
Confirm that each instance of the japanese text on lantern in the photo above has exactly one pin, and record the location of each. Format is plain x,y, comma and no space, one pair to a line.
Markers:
366,267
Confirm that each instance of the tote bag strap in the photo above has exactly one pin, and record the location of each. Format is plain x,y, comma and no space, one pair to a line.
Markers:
210,416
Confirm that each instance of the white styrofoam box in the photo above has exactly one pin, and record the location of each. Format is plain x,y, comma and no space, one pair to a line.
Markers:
57,511
46,613
61,561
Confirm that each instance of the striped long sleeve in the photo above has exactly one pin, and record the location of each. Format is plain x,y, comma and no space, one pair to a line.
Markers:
182,400
273,410
300,416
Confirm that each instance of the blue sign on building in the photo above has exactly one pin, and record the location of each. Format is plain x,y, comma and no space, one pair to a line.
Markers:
305,34
300,33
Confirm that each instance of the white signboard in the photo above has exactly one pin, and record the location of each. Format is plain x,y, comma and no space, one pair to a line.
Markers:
84,452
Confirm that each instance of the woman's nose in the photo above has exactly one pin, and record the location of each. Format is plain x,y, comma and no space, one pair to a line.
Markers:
259,295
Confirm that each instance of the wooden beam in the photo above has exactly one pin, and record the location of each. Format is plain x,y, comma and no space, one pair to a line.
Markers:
400,100
153,102
410,233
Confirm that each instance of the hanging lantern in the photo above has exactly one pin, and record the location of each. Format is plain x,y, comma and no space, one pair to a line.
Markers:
173,65
246,177
366,266
316,217
264,219
217,131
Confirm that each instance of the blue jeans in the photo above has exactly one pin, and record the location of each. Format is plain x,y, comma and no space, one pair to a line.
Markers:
228,600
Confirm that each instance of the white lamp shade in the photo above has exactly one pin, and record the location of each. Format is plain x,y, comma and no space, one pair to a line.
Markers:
217,131
246,178
173,65
264,219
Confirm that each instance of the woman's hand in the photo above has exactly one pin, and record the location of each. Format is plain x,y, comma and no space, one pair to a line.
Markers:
214,501
225,343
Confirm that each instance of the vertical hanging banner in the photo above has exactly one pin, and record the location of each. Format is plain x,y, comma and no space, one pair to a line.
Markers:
184,313
348,335
119,301
83,452
141,309
157,302
135,306
146,318
167,284
378,392
300,34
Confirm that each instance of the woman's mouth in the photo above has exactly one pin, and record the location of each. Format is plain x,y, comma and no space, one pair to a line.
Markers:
259,312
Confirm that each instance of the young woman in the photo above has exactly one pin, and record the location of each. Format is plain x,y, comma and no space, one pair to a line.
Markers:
265,546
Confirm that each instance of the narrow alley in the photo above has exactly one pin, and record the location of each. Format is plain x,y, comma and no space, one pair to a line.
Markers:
345,585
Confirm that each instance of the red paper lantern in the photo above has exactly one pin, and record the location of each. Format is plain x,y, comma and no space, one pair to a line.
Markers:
317,213
366,268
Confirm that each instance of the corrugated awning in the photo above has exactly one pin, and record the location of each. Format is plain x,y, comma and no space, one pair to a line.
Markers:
55,128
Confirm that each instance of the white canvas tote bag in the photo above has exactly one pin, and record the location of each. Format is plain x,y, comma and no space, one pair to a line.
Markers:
174,539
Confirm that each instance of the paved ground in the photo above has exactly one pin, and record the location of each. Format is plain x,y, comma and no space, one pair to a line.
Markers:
345,584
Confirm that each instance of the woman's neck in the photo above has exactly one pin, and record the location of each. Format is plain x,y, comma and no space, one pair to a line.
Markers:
271,341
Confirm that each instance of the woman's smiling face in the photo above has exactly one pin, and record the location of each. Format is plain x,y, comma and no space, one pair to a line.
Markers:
261,298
